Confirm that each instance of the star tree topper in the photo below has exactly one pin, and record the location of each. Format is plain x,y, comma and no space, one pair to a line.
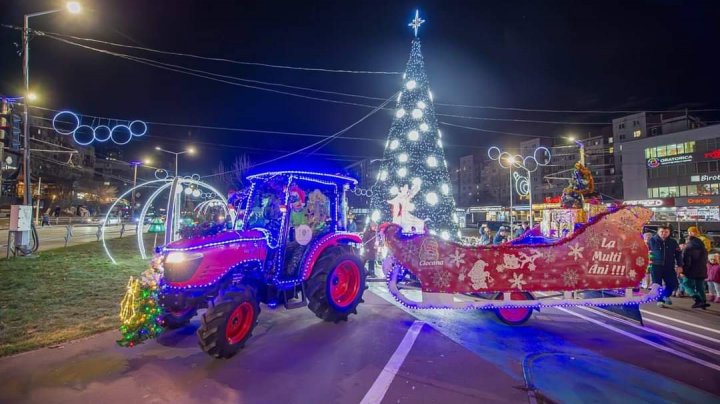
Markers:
415,24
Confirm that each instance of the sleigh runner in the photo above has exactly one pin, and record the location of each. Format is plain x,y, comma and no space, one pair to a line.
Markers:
606,257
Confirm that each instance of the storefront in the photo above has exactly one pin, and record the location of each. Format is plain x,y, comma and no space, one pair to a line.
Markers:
684,212
476,215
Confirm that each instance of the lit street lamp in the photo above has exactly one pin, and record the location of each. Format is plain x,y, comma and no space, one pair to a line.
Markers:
74,8
189,150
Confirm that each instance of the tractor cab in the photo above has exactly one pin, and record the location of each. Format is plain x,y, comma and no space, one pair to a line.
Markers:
295,209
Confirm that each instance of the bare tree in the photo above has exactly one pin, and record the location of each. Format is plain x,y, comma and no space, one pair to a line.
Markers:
233,177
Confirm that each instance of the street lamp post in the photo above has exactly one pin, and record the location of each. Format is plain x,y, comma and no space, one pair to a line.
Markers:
189,150
73,7
134,164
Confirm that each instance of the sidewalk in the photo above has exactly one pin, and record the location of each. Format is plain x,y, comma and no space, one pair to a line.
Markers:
52,237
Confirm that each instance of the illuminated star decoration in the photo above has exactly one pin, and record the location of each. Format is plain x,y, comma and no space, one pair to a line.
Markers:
415,24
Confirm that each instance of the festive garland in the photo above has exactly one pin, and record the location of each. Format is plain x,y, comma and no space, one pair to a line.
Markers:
139,310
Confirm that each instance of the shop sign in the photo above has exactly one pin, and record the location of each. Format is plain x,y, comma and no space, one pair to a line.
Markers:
663,161
715,154
704,178
651,202
698,201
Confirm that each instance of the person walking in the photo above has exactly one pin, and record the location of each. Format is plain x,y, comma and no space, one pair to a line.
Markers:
369,239
694,269
713,278
45,220
664,256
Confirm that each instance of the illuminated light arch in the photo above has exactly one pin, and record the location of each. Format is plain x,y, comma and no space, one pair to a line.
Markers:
107,215
168,184
203,206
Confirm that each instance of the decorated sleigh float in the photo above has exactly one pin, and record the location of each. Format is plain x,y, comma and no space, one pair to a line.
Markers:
601,263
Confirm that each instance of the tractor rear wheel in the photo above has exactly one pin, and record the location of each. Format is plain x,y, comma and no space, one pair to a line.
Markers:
226,326
336,285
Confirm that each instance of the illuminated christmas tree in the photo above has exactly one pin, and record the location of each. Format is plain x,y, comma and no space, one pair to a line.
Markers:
413,184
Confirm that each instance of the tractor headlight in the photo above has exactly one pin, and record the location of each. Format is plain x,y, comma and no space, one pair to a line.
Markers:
180,257
180,266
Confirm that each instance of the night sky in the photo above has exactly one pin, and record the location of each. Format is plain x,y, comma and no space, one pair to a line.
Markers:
596,55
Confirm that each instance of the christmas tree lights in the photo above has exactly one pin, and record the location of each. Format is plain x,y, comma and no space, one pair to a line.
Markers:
139,310
412,159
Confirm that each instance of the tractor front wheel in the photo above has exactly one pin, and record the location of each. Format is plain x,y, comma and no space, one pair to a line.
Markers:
336,285
228,324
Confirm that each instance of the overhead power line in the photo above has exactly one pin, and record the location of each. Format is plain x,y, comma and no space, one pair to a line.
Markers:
488,107
226,79
214,59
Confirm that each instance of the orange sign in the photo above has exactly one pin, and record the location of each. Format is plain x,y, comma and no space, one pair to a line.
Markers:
699,201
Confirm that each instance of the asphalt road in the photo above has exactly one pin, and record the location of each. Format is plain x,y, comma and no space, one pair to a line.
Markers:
390,355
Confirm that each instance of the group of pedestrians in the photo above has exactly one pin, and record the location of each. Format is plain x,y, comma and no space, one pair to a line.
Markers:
683,268
502,235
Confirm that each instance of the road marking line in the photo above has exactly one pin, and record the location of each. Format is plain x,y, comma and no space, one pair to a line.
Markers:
643,340
715,340
681,321
382,383
660,333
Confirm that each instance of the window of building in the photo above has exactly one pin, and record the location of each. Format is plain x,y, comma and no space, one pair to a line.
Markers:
672,150
663,192
692,190
661,151
690,147
712,166
692,168
702,167
653,131
682,169
622,137
610,140
611,149
637,133
612,170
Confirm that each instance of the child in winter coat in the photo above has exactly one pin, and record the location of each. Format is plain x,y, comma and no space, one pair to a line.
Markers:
713,278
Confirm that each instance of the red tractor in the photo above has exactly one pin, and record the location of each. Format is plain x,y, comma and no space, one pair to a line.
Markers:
292,249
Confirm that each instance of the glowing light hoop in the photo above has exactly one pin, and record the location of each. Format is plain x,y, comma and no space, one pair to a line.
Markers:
136,128
159,172
112,134
83,143
105,138
144,125
494,153
64,132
